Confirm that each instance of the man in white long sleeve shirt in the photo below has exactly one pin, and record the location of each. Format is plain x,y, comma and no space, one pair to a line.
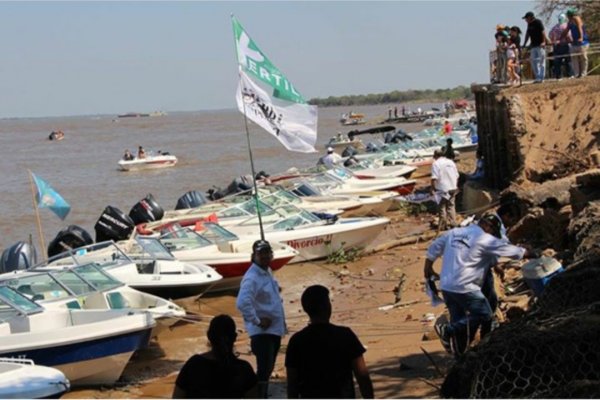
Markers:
331,159
467,254
261,306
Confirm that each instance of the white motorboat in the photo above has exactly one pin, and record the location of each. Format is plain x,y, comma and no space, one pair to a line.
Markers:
348,183
20,378
91,347
148,162
88,287
144,264
312,237
220,249
369,168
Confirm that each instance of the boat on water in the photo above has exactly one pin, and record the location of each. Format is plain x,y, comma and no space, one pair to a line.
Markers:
144,264
149,162
352,119
56,136
90,347
20,378
88,287
133,115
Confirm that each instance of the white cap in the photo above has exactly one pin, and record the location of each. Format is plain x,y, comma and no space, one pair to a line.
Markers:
330,149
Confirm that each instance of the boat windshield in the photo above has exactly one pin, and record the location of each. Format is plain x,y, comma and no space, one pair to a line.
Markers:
306,189
217,234
287,217
177,238
42,286
87,278
104,253
13,303
280,198
148,248
245,209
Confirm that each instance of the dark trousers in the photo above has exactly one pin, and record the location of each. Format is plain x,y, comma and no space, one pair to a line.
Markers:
489,291
468,311
562,61
265,348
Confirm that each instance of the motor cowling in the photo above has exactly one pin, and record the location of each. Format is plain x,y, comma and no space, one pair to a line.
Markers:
146,210
113,224
19,256
71,237
191,199
349,151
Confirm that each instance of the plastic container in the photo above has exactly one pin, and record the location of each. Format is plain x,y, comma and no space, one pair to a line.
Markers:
539,271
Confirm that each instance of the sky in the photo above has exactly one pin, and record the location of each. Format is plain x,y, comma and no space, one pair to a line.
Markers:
82,58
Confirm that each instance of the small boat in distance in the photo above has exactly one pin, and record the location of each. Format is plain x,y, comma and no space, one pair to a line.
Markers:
56,135
138,115
150,161
352,119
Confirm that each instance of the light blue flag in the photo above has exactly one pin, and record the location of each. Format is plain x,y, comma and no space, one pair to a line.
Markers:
49,198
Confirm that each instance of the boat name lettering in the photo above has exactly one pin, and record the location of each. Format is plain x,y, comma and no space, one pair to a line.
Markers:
114,221
312,242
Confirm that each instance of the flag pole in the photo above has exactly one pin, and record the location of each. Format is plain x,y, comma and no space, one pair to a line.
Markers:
37,215
262,232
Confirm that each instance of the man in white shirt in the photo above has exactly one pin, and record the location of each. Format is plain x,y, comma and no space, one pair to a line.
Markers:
444,181
331,159
467,254
261,307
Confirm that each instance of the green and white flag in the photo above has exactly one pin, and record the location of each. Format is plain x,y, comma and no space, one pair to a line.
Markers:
284,113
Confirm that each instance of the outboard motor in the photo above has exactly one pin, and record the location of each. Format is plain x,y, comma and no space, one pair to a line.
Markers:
71,237
191,199
146,210
372,148
20,255
349,151
389,137
330,218
113,224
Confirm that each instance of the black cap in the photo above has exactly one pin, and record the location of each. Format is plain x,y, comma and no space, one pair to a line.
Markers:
529,14
262,174
493,222
261,245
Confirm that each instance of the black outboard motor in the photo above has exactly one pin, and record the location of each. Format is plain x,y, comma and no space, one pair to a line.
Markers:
71,237
20,255
372,148
146,210
330,218
113,224
349,151
191,199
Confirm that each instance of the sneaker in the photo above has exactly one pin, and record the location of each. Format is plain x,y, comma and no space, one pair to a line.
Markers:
445,338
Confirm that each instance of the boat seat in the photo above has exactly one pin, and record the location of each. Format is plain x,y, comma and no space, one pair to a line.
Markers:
117,301
146,268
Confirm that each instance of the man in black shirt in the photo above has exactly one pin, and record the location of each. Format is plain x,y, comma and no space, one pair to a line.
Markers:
537,48
322,357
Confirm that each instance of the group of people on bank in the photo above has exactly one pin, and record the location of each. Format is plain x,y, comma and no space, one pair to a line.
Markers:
567,44
320,359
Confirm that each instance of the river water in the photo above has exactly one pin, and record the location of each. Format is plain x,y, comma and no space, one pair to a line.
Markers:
210,145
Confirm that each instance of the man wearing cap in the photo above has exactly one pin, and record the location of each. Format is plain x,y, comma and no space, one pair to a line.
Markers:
537,56
467,253
331,159
261,306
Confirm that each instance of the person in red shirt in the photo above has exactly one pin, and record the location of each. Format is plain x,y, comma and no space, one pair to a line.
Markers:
447,127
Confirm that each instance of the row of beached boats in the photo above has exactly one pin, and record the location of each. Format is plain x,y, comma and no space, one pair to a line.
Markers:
83,312
77,318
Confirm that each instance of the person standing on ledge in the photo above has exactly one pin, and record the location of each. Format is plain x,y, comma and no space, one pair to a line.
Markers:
261,306
580,45
321,358
537,49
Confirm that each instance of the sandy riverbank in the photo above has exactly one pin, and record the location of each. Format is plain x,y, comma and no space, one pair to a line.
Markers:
394,337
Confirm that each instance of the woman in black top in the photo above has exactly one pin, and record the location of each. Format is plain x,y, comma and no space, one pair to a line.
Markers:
218,373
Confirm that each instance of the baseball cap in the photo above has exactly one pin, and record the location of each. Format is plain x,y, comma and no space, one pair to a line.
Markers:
330,149
571,11
529,14
493,222
261,245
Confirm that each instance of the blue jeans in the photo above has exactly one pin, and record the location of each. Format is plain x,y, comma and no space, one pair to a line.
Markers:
265,347
467,310
538,62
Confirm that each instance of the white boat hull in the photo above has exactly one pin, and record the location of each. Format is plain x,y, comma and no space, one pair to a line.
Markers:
150,162
21,379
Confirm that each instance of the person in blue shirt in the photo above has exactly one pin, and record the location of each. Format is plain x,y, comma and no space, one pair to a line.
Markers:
580,44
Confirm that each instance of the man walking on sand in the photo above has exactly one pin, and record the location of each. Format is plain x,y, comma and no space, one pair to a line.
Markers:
444,181
322,357
467,254
261,307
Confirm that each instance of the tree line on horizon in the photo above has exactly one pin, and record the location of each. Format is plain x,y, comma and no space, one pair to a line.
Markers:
406,96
